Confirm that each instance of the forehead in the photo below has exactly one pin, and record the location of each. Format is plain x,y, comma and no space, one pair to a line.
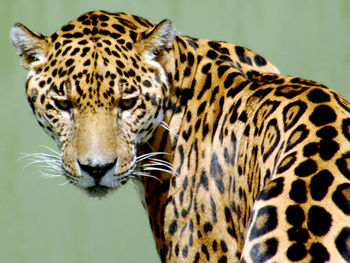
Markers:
98,42
97,35
97,25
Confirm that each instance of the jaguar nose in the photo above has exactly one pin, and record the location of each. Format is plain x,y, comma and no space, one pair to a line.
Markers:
97,171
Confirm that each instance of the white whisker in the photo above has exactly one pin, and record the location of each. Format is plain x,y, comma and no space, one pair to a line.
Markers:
65,183
160,170
158,165
48,175
58,154
143,174
154,164
48,164
166,126
150,146
159,162
149,155
50,168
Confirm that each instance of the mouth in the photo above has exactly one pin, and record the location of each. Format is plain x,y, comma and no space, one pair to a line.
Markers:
98,186
98,190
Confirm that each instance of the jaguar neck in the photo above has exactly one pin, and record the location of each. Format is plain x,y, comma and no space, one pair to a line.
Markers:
181,69
187,85
187,57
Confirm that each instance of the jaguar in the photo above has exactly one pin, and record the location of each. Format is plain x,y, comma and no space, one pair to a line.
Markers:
235,161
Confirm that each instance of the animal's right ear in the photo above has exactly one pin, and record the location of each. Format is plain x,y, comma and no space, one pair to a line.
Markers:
31,47
161,37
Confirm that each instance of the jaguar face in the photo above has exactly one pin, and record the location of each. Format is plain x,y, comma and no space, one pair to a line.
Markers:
98,95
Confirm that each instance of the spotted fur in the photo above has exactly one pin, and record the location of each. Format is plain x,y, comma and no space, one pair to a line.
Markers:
257,164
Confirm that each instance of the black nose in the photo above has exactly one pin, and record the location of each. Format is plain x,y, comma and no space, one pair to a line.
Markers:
97,171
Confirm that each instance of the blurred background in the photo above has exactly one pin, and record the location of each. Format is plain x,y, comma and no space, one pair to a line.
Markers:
42,220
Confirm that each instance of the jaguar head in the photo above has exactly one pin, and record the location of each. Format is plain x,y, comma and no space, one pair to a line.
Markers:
97,87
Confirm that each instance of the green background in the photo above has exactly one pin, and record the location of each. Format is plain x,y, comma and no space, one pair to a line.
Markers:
43,221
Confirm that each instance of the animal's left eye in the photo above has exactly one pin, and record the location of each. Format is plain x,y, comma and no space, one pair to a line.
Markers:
64,105
126,104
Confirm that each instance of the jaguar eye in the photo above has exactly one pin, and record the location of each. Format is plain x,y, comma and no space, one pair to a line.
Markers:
64,105
126,104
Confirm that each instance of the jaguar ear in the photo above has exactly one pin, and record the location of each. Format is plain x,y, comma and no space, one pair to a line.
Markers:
31,47
160,38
